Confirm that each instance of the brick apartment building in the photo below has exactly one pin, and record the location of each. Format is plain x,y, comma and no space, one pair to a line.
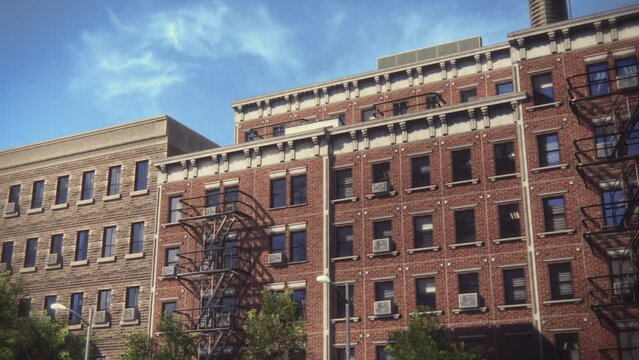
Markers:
79,222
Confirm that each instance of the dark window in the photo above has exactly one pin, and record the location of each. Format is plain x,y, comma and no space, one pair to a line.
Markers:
554,214
24,307
299,298
30,253
38,193
381,172
462,165
48,301
81,245
426,292
56,244
14,194
278,193
7,253
522,347
605,141
278,243
468,95
380,353
432,101
560,281
175,209
626,71
468,283
504,88
278,130
598,79
251,135
509,221
141,175
344,236
382,229
168,309
212,199
384,290
87,185
108,241
132,297
422,231
113,185
76,307
567,345
343,183
231,195
504,158
542,89
137,238
340,303
171,256
548,149
464,226
420,171
341,354
514,286
400,108
614,207
298,189
368,114
298,246
62,190
104,300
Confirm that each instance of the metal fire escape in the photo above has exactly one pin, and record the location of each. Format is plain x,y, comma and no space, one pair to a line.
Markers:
216,268
606,100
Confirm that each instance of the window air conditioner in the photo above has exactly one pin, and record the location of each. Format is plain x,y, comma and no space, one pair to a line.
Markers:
130,314
211,210
101,317
223,320
10,208
275,258
384,307
627,81
380,187
53,259
381,245
230,207
4,266
468,301
622,287
169,270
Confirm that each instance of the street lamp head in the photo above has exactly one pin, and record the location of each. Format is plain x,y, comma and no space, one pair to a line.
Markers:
324,279
58,306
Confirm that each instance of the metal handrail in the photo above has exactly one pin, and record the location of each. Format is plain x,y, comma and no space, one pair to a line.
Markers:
578,82
622,216
210,318
380,107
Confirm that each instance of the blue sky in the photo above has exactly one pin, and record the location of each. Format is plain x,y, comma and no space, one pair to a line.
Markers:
69,66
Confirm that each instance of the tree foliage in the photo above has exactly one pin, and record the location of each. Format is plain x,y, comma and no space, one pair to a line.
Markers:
426,338
275,331
175,343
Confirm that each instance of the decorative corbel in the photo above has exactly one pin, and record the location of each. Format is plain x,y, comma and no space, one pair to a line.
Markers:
489,60
442,119
280,149
268,107
367,142
612,24
216,164
552,42
260,110
325,93
316,146
409,76
522,48
247,156
442,66
353,134
287,98
431,126
515,108
403,128
598,32
477,62
485,116
225,161
317,97
258,156
291,149
296,101
185,169
240,112
453,67
356,88
387,82
165,175
420,75
391,134
565,33
378,85
347,90
473,119
194,169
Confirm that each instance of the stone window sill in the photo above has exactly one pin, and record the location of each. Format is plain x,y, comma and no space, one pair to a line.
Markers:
139,192
338,320
79,263
10,215
112,197
474,243
346,199
563,301
462,182
134,256
470,310
298,262
381,317
102,325
297,205
28,270
544,106
557,232
129,323
421,188
60,206
504,176
424,249
381,194
35,210
381,254
165,225
84,202
511,239
53,267
277,208
106,259
551,167
345,258
75,327
432,312
514,306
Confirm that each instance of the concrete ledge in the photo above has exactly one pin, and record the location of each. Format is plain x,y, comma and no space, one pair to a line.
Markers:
35,210
112,197
383,317
544,106
474,243
512,239
381,254
79,263
107,259
85,202
421,188
551,167
563,301
60,206
557,232
10,215
53,267
381,194
514,306
345,258
28,270
75,326
424,249
338,320
347,199
139,192
134,256
462,182
432,312
504,176
475,309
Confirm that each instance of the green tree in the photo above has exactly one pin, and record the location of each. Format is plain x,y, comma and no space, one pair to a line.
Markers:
275,331
175,343
426,338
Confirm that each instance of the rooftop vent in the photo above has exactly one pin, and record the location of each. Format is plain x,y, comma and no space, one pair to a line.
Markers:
428,53
544,12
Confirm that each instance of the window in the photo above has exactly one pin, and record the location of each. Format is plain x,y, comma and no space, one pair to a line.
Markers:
81,245
381,172
341,354
108,241
48,301
87,185
132,297
504,158
422,231
425,290
278,243
567,345
560,281
212,199
62,190
462,165
468,95
104,300
278,193
340,303
542,89
380,353
614,207
168,309
432,101
113,185
400,108
30,253
171,256
299,298
420,171
509,221
298,246
56,244
605,141
24,307
251,135
343,183
344,235
7,253
384,290
382,229
14,194
278,131
76,306
231,195
504,88
598,79
548,149
37,194
468,283
369,114
514,286
626,71
175,209
298,190
465,226
137,238
141,175
554,214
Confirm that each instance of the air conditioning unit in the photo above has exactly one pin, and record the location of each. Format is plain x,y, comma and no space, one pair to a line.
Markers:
130,314
468,301
11,208
230,207
384,307
275,258
169,270
627,81
206,266
4,266
381,245
223,320
622,287
101,317
380,187
53,259
605,149
211,210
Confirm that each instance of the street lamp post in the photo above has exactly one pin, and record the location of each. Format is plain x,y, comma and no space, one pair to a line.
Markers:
324,279
58,306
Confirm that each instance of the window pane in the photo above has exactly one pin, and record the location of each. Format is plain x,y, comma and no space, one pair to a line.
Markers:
62,190
368,114
613,206
561,281
468,95
344,237
465,226
400,108
251,135
514,286
141,175
504,88
380,353
423,231
7,253
30,253
132,297
298,246
382,229
81,245
172,256
278,193
420,171
76,306
384,291
554,214
462,165
468,283
504,158
509,226
381,172
104,300
137,238
598,79
108,241
567,345
542,89
48,301
298,190
340,306
278,131
426,292
14,194
278,243
175,209
113,187
56,244
38,192
344,183
87,185
432,101
168,309
299,297
548,150
626,70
